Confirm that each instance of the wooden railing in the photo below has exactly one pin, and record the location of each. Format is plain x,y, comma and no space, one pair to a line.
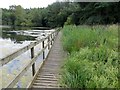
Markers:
50,39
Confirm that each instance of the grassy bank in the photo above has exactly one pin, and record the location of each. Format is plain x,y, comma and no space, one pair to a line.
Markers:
92,61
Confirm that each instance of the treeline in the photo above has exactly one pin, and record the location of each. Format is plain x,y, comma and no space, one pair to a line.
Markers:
60,13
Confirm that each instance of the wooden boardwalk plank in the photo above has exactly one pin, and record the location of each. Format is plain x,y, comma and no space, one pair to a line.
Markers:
49,73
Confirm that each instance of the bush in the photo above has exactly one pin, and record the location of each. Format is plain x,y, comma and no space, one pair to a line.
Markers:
93,59
75,38
80,71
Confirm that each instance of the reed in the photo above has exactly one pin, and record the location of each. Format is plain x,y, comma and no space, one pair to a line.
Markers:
93,58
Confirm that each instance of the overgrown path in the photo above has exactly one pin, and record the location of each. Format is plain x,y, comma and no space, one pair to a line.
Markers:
49,74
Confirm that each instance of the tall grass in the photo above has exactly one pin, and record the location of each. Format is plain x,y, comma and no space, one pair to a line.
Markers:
93,59
75,38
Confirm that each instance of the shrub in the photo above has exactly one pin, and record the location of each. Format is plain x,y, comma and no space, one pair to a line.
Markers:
93,59
80,71
75,38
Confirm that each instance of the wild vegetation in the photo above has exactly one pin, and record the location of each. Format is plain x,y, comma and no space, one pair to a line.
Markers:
88,38
60,13
93,57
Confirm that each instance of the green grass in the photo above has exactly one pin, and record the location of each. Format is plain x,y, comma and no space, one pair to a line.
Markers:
93,58
75,38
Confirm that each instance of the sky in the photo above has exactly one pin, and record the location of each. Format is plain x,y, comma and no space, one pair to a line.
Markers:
34,3
26,3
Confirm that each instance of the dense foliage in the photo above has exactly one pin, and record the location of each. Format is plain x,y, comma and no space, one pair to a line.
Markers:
92,61
60,13
78,37
93,57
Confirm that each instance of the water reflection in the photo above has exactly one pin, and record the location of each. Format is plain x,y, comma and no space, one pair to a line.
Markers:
16,38
11,33
12,40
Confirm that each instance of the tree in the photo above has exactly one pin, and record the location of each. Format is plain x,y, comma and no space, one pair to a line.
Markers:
60,13
20,16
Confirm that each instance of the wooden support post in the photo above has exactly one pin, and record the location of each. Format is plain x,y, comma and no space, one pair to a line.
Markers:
51,39
32,56
56,33
53,36
44,50
48,43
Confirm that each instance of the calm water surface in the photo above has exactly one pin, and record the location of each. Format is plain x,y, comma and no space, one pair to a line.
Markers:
12,40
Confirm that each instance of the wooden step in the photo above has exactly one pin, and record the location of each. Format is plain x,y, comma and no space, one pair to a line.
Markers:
45,84
53,79
46,81
48,76
44,87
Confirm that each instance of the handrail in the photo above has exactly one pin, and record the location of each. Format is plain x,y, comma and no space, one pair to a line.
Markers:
12,83
13,55
7,59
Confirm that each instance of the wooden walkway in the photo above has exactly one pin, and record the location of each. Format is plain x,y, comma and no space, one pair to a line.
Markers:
48,75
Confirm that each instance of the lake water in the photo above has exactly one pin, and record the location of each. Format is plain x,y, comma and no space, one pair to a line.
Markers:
12,40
